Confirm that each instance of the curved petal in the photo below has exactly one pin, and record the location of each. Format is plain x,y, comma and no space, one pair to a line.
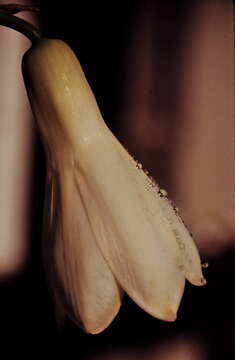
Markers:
82,283
191,259
131,231
151,190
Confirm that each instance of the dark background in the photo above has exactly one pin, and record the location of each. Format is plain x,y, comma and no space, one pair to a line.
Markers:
99,34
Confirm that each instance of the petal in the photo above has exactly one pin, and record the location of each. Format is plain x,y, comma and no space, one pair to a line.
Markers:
48,214
190,256
189,252
82,283
131,231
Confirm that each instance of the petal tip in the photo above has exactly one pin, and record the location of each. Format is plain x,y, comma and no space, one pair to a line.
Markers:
95,325
203,281
170,315
167,313
95,329
198,281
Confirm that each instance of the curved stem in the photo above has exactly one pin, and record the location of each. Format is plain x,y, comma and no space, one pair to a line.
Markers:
15,8
24,27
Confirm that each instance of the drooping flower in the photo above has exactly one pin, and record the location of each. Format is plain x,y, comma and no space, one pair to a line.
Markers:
107,226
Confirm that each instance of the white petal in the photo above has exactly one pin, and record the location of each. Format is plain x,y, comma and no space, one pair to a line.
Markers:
189,252
81,281
190,256
134,236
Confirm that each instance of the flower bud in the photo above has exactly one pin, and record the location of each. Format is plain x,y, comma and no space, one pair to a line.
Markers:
106,225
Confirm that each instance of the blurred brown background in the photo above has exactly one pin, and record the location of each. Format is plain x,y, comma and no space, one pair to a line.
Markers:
163,76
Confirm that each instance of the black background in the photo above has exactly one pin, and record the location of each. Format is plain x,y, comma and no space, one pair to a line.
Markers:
99,33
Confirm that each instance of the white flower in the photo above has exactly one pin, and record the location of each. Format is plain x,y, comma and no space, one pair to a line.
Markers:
107,226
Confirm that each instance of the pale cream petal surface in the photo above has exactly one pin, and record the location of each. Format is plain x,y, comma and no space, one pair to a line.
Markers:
81,277
151,190
132,233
